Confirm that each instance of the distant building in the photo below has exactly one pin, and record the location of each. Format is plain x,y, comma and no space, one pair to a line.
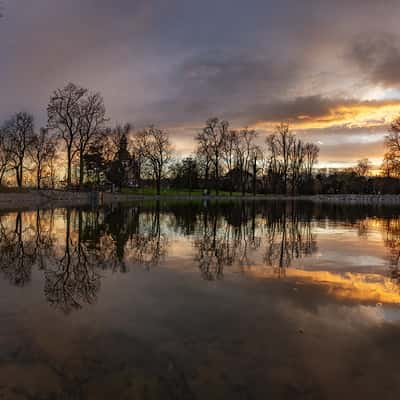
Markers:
129,163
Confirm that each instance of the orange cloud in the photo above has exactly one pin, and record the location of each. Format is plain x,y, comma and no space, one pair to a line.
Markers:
355,286
349,115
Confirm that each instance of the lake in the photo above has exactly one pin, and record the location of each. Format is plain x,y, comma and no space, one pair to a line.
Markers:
200,300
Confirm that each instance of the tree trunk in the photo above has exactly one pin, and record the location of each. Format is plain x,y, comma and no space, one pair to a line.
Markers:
18,176
21,172
242,181
206,177
69,166
81,168
232,180
216,180
38,177
254,177
158,183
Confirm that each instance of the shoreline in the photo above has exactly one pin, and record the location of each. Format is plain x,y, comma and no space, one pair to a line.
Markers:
59,198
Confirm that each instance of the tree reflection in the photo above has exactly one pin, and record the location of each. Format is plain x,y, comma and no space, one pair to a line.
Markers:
288,237
74,249
148,244
221,243
17,250
73,279
392,242
72,257
44,237
231,235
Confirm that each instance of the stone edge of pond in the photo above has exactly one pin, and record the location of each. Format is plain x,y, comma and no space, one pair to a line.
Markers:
59,198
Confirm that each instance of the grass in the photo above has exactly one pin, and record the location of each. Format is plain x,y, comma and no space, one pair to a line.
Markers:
147,191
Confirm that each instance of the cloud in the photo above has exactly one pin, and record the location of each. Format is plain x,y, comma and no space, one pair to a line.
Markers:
317,112
379,58
218,82
179,62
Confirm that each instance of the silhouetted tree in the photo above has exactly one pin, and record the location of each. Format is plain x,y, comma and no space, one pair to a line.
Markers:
311,157
94,161
19,133
185,173
42,150
231,144
213,138
203,157
363,167
5,154
391,161
65,117
78,116
290,161
157,151
246,152
93,118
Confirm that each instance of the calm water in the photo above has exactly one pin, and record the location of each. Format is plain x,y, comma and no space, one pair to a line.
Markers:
249,300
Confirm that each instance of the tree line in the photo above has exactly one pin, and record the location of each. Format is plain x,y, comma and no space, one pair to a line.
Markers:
78,140
77,135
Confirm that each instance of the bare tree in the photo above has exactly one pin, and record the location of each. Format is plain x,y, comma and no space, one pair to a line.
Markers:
245,153
5,155
390,165
203,155
296,157
92,117
52,170
280,145
255,157
65,117
229,154
157,150
19,132
363,167
213,137
272,163
392,139
42,152
78,116
391,162
311,157
285,141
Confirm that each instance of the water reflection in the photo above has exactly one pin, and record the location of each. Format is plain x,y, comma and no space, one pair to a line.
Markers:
71,247
288,236
72,278
225,240
392,242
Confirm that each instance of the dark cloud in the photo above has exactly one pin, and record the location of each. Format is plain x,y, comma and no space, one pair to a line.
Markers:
217,83
290,110
379,58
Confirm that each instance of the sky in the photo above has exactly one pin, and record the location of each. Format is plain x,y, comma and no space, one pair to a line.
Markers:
329,68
